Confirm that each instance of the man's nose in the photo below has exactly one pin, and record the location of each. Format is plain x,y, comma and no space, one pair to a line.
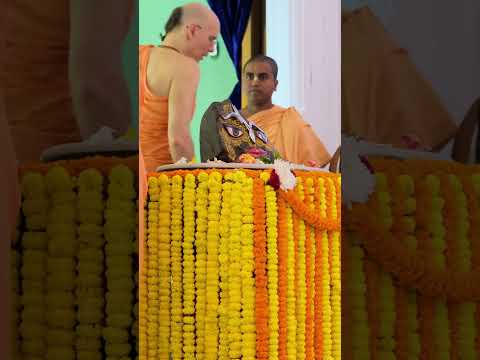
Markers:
255,80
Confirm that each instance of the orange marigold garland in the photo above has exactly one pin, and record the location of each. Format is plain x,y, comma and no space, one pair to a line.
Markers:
300,276
282,279
309,279
334,245
319,272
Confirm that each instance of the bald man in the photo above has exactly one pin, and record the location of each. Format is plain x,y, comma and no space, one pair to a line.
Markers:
168,81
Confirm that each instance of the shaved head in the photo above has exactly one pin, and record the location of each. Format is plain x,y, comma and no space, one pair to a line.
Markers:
192,13
192,28
199,13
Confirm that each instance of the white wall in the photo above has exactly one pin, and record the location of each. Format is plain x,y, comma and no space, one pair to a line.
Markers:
304,38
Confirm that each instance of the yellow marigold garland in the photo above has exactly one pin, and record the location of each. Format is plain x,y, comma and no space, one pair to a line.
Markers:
62,247
164,292
260,252
120,229
33,268
201,263
272,270
300,277
176,318
143,297
386,292
239,296
291,291
212,284
234,275
406,322
247,270
224,262
453,284
470,326
152,269
90,263
323,251
188,275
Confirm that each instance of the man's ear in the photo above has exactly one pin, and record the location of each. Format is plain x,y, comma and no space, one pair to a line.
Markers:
276,83
189,30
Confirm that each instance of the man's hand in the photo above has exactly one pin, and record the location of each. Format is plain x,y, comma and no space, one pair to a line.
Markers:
99,90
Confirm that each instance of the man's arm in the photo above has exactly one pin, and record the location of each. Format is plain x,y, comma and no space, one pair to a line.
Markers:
181,106
99,90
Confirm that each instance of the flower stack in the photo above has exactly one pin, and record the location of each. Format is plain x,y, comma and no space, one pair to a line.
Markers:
255,270
119,235
409,258
90,265
61,273
33,266
76,230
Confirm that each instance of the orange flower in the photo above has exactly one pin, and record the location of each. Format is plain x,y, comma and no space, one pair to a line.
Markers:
282,279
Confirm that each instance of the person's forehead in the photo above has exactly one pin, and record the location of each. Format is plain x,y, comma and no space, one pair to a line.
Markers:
259,67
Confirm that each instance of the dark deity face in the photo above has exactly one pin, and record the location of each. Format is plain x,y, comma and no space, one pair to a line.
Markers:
225,134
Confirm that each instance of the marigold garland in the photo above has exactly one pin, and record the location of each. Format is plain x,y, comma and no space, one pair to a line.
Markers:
212,283
62,246
176,318
291,290
334,259
282,279
247,271
152,270
432,258
66,262
33,268
233,222
119,216
234,275
90,267
261,296
309,279
300,276
272,271
164,293
224,262
188,274
201,262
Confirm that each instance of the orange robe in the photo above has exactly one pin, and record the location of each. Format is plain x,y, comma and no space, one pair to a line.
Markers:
294,139
153,134
384,97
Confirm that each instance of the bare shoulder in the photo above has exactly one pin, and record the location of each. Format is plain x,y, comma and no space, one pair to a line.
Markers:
186,68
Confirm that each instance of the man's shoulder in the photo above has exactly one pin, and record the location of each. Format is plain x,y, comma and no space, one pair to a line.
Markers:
186,68
292,113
